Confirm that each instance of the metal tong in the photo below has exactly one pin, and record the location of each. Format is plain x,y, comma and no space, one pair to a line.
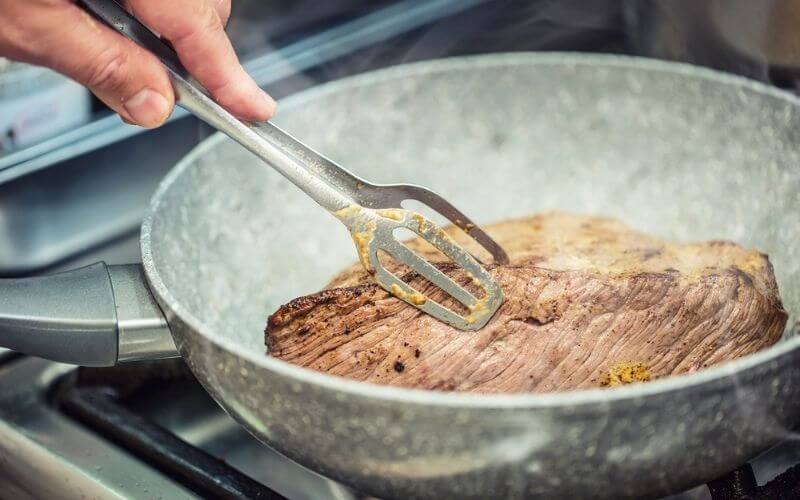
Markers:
371,212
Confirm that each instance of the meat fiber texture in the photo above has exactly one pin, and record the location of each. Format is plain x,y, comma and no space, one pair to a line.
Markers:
588,302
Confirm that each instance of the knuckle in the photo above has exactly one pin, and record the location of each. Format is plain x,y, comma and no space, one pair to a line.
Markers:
224,9
211,20
17,42
205,21
107,71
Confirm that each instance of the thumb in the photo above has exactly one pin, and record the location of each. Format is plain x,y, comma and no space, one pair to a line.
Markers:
128,79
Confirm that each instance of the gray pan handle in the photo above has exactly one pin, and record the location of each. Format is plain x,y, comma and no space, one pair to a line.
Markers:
93,316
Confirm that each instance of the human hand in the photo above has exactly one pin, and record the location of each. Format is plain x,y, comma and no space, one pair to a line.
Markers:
131,81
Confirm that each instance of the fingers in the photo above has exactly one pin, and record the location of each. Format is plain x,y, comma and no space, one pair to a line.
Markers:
223,8
62,36
195,29
131,81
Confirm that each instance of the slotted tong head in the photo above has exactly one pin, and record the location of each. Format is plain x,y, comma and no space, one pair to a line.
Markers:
371,212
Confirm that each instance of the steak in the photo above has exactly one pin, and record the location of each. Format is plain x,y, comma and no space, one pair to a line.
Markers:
589,302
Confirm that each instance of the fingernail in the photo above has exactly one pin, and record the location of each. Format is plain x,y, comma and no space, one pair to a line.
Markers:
272,106
147,108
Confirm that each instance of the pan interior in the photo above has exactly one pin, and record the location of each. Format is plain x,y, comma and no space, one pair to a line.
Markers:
675,151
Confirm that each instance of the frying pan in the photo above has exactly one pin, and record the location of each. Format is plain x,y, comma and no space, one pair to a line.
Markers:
681,152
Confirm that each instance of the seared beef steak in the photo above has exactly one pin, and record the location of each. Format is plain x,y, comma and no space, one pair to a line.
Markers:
584,297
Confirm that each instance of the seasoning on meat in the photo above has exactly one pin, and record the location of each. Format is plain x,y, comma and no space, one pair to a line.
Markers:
582,294
626,373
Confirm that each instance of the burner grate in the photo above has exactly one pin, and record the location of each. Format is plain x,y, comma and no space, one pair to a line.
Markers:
187,464
741,484
109,401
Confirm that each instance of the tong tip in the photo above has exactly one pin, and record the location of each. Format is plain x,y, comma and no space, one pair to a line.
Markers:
372,230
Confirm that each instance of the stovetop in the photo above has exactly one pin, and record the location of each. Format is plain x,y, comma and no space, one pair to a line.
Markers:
148,430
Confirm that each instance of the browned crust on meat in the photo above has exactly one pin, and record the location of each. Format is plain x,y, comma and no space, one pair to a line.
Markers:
570,315
300,306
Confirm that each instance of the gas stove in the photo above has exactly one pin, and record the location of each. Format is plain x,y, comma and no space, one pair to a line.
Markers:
151,433
148,430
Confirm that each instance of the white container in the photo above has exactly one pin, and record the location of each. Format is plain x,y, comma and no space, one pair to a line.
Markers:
37,103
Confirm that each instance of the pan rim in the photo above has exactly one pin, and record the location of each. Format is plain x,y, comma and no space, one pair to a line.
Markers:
706,377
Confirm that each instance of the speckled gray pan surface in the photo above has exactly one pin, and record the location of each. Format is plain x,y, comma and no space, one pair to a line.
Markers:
683,153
